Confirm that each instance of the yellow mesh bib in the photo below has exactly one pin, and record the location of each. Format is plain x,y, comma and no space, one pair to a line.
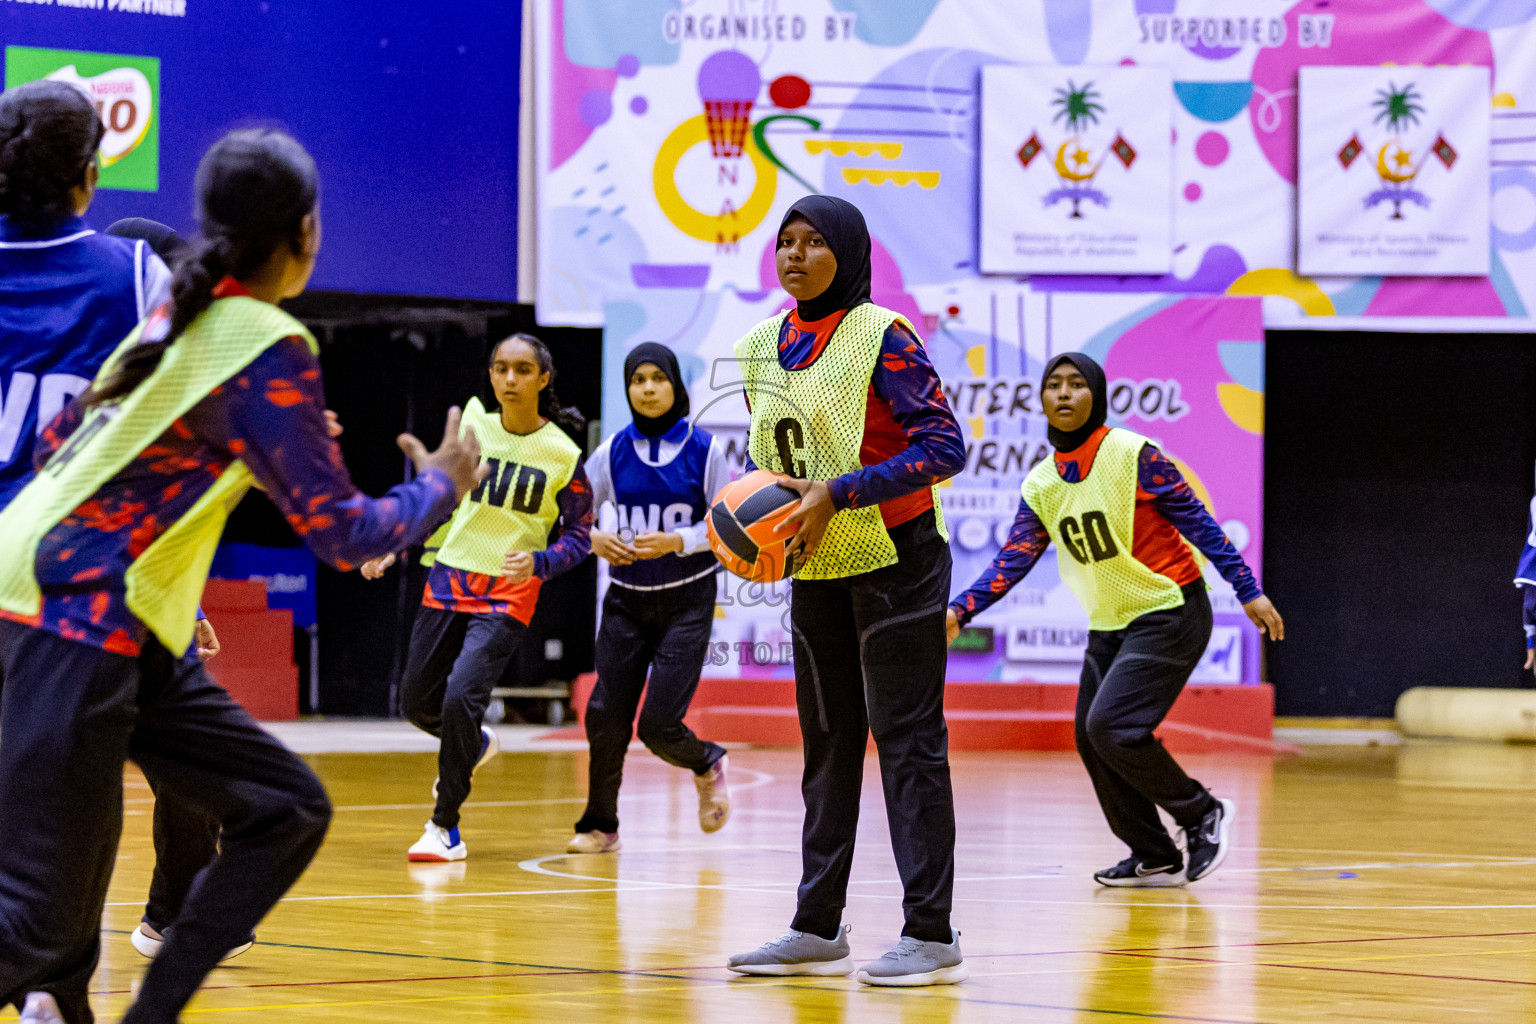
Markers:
810,424
1092,523
166,581
515,506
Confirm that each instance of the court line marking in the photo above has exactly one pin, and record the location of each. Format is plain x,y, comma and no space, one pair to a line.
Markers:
1327,964
800,983
615,885
1143,954
476,803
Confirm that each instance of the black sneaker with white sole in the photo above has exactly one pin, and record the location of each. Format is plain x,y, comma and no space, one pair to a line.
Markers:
1206,843
1133,872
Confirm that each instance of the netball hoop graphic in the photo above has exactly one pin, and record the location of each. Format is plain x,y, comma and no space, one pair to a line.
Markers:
728,84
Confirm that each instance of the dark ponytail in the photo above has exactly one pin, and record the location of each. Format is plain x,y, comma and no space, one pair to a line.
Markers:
567,416
49,133
254,188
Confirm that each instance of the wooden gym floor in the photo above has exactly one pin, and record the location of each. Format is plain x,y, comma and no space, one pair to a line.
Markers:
1367,884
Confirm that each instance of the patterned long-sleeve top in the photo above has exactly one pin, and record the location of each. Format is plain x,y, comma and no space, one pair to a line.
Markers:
1166,507
459,590
270,416
911,438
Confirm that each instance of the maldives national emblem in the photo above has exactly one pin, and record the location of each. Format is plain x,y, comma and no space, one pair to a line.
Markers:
1077,167
1397,166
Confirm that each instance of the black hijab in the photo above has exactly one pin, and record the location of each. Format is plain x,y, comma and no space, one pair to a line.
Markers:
662,358
842,225
1093,373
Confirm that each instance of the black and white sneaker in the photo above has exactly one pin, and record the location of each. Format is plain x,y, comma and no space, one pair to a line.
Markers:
1206,843
1135,872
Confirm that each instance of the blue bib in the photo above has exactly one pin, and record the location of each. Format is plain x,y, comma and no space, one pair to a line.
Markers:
64,306
660,498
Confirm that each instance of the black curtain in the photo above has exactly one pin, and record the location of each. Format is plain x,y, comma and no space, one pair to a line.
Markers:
389,367
1398,475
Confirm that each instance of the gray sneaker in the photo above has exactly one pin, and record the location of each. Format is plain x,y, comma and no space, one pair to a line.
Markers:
797,953
914,962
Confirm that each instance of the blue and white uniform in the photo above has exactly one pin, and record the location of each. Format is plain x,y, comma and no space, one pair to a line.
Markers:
642,484
660,612
1525,579
67,299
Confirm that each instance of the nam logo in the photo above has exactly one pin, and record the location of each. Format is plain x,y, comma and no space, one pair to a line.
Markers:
125,92
1076,165
1397,168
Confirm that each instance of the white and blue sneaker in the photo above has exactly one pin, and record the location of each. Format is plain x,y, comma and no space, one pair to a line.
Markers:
490,746
438,845
41,1008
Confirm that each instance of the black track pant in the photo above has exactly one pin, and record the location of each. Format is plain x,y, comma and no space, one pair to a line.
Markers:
663,632
455,661
1131,677
73,715
186,841
869,660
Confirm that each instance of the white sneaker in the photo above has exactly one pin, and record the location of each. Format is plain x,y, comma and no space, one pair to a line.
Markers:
41,1008
490,746
596,841
148,943
438,844
714,796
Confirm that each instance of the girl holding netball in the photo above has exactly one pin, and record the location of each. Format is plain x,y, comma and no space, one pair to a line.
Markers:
1120,513
103,556
659,474
845,400
490,560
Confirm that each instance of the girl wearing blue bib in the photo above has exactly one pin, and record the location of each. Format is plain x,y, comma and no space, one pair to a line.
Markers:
658,475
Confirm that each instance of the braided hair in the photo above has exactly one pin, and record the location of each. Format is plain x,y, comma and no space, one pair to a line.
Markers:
568,416
49,133
254,188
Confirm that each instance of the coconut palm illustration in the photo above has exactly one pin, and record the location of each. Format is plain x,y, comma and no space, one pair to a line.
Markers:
1076,108
1397,110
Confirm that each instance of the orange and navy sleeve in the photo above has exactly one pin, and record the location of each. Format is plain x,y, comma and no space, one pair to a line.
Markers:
1027,541
905,379
276,424
53,436
1177,502
572,536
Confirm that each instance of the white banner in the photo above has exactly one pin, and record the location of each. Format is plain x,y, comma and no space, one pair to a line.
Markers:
1076,170
1394,175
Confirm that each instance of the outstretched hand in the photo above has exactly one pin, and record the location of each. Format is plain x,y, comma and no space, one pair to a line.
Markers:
951,625
1261,612
374,567
810,520
459,457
